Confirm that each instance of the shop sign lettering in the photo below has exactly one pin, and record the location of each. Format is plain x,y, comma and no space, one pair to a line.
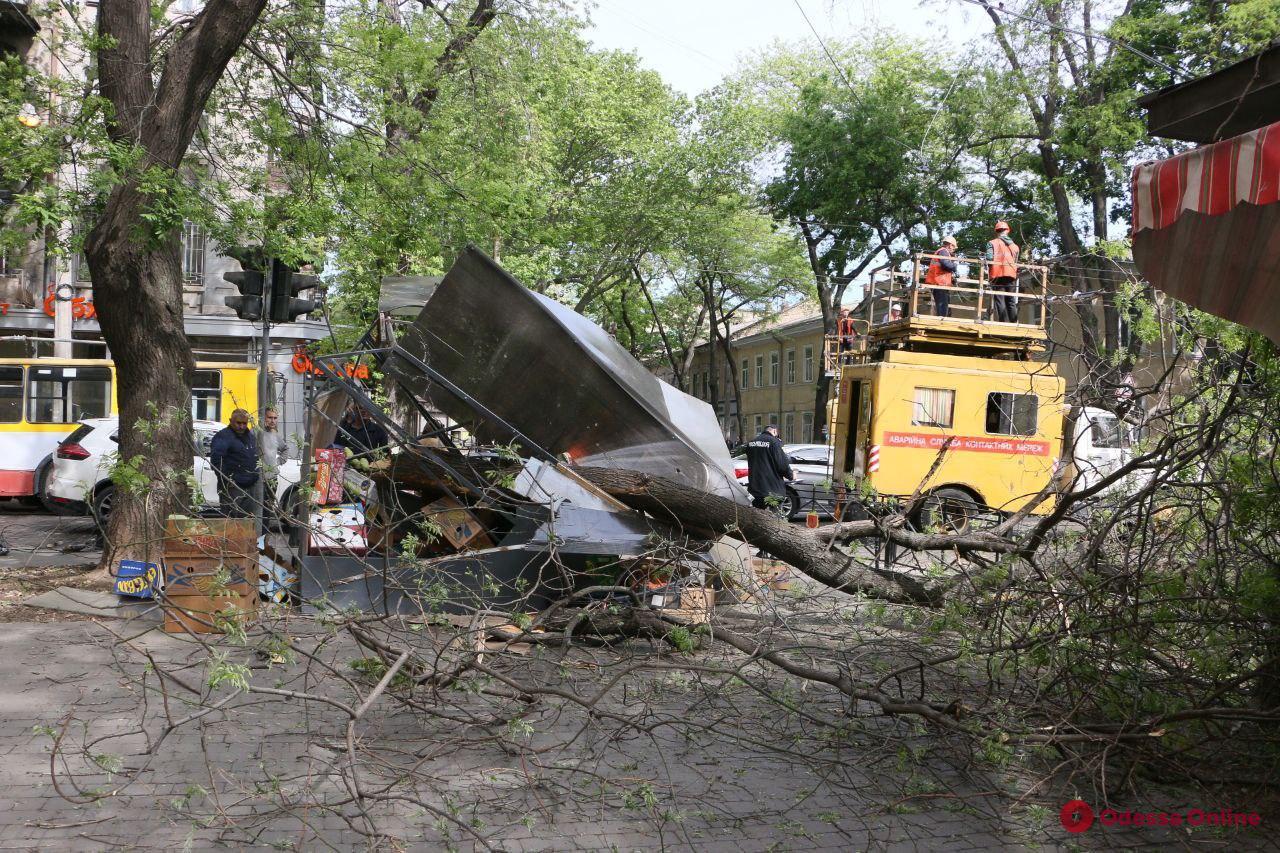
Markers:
81,308
302,363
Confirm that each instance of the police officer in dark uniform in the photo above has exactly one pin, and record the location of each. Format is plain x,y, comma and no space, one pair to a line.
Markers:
767,468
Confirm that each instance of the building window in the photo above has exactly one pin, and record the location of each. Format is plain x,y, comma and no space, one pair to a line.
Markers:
82,269
759,424
746,374
773,419
791,367
759,371
10,262
64,395
206,395
808,364
773,368
192,252
806,427
934,407
789,427
1012,414
10,395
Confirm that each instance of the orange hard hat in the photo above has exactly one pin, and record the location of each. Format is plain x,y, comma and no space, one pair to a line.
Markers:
1002,226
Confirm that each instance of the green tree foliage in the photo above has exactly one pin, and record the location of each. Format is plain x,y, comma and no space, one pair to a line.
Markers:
877,150
1076,68
555,158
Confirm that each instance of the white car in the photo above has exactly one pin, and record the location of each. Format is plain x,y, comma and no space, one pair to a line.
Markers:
80,478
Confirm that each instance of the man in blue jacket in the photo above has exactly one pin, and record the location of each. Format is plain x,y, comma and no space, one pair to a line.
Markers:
233,453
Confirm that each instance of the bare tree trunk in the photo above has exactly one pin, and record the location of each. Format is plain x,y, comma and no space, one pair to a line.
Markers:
726,343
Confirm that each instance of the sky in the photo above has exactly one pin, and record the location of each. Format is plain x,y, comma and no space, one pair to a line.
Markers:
693,44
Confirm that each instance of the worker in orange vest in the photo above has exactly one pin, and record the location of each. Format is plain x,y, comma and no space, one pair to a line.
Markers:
941,275
1002,271
848,333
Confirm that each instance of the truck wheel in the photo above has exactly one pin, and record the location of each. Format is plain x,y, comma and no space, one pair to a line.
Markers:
950,511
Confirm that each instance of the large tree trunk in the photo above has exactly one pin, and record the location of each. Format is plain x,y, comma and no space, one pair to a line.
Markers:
812,553
139,298
135,263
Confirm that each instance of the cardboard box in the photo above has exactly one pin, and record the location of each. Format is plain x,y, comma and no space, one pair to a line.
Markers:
274,580
200,614
331,464
198,576
209,537
458,524
693,603
136,579
774,574
698,599
338,529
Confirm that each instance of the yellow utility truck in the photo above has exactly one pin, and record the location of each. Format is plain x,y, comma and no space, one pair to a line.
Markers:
956,408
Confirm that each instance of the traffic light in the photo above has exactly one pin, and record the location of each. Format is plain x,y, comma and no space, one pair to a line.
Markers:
285,286
248,305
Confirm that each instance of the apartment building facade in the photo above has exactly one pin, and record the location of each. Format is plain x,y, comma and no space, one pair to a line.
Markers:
777,363
46,294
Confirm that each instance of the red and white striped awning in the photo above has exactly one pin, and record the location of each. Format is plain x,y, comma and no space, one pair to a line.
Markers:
1206,228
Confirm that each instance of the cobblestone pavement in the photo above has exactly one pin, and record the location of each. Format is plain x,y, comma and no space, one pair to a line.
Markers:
259,771
669,761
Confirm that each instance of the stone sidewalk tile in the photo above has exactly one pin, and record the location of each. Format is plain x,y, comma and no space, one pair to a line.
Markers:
727,799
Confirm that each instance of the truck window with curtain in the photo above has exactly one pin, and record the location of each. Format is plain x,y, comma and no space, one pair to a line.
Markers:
934,407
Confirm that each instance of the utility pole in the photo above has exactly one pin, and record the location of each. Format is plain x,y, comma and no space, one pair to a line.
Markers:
268,289
264,388
62,296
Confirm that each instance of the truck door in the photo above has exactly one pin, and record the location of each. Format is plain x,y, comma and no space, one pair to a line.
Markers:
856,440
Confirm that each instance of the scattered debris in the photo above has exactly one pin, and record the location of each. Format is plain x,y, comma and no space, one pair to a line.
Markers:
506,519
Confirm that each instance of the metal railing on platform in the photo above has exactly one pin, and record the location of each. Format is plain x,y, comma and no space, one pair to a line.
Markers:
897,296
